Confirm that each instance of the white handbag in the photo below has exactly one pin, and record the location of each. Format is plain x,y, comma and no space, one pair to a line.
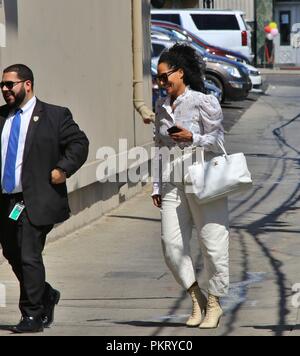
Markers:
219,177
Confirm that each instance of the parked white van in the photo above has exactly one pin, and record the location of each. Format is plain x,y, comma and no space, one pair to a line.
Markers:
226,29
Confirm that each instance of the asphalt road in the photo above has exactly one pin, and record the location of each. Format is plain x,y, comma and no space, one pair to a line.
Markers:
233,111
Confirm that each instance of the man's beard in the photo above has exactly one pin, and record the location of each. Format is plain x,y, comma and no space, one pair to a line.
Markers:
19,98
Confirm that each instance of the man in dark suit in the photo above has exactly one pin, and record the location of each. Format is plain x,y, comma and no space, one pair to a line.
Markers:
41,146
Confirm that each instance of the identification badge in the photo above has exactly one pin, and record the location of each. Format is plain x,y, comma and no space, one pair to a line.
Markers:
17,211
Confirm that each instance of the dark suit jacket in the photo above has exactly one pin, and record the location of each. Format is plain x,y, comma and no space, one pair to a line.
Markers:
53,141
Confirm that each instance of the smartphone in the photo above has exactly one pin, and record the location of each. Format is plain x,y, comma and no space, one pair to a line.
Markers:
174,130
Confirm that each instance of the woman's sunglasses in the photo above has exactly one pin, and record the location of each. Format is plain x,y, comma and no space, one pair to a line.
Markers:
164,77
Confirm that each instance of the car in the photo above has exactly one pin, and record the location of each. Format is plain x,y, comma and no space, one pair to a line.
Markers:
178,31
230,77
256,79
175,34
220,28
211,89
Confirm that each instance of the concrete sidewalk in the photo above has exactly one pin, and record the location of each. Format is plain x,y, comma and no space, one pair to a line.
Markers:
112,275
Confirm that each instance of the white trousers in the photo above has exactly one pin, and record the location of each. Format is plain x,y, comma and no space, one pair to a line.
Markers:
179,213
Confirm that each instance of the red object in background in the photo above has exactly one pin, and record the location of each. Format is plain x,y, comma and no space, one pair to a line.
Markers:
268,29
244,38
269,52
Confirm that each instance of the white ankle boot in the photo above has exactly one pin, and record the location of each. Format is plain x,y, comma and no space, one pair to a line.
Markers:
213,315
199,304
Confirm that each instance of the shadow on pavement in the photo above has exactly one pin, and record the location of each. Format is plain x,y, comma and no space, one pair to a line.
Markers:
269,223
151,324
116,299
6,327
132,218
229,106
274,328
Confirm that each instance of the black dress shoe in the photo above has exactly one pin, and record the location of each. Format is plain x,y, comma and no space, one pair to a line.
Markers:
29,325
48,315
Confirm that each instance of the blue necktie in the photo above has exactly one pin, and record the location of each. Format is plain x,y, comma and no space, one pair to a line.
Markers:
9,176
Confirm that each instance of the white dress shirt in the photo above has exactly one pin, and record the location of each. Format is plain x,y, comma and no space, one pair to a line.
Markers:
199,113
26,115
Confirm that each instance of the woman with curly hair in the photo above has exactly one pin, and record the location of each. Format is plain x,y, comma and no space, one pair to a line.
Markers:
189,118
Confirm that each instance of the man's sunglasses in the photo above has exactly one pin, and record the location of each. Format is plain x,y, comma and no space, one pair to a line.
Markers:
10,85
164,77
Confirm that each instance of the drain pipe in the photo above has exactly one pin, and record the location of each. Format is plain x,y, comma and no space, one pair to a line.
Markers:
138,78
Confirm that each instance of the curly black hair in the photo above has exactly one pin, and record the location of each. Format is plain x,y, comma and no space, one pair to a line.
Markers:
183,56
24,73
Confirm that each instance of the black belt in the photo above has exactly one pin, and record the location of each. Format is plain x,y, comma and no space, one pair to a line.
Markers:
17,196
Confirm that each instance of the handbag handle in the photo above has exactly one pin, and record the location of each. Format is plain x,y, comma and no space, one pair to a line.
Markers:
221,145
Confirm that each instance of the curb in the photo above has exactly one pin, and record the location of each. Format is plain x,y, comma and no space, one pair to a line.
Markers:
265,71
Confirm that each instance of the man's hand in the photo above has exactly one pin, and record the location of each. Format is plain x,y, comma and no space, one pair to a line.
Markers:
157,201
58,176
182,136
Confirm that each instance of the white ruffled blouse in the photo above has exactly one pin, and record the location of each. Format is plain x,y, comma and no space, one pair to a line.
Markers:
199,113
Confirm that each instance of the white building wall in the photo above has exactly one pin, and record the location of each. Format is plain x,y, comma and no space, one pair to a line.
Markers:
244,5
2,25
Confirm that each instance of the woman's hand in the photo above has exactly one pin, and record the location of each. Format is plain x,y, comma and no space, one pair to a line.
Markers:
182,136
157,201
148,121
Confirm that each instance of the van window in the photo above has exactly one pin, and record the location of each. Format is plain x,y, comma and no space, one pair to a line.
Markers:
216,22
174,18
